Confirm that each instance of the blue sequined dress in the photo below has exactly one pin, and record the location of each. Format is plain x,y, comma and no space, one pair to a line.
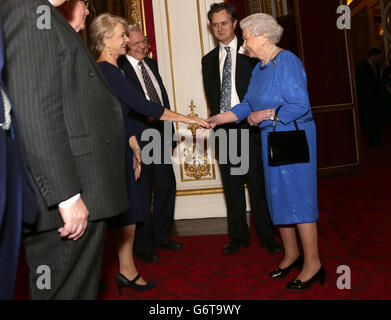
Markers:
291,190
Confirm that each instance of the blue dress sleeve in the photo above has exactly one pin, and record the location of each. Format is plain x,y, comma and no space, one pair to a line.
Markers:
129,126
243,109
129,96
293,83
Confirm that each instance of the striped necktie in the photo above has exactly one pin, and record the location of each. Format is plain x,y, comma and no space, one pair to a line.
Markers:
151,90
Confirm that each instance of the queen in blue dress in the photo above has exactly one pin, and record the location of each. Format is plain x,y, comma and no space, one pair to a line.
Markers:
279,79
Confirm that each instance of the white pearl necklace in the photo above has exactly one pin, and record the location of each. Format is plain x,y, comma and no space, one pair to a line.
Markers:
270,54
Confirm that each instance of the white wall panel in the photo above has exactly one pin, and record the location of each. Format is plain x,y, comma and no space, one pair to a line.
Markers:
182,38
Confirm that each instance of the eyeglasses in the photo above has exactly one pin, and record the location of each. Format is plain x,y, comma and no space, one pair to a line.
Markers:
86,3
136,44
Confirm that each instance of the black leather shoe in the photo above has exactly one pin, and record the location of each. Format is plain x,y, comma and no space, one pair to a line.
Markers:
234,247
282,272
297,284
147,256
272,246
170,245
122,281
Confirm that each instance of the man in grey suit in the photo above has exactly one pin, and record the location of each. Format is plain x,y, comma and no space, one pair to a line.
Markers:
74,136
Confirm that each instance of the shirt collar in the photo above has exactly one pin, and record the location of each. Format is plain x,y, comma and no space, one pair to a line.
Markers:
133,61
233,44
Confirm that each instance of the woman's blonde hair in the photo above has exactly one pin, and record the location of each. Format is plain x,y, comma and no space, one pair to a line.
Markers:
263,24
103,27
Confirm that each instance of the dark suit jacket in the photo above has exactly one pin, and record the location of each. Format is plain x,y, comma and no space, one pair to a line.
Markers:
212,81
212,84
71,121
369,86
141,122
29,205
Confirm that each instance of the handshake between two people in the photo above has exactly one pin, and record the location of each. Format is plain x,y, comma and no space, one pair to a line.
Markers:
254,119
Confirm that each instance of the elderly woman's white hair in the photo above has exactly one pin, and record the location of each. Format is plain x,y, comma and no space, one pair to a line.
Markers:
263,24
103,27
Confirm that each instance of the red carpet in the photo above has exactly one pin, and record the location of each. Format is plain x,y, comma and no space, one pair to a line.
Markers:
354,230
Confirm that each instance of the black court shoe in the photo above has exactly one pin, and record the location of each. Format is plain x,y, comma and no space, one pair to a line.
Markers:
282,272
297,284
122,281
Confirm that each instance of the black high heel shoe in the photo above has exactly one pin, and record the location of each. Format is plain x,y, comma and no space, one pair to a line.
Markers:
122,281
297,284
282,272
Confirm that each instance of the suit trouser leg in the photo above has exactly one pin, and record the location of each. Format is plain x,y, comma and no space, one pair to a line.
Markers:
256,183
235,199
11,225
143,234
75,266
163,202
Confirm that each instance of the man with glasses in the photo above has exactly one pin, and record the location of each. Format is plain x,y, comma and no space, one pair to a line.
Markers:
153,233
75,12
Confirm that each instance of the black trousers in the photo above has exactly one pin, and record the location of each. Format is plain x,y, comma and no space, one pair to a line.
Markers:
234,191
74,266
158,186
11,203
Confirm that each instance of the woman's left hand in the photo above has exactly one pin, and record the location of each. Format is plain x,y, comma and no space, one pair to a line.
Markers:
137,164
257,117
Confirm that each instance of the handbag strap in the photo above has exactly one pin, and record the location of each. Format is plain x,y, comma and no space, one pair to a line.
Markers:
275,119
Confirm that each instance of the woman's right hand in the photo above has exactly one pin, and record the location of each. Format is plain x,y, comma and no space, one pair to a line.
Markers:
194,120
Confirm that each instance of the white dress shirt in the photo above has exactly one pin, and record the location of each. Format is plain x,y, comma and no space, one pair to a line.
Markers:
134,62
222,55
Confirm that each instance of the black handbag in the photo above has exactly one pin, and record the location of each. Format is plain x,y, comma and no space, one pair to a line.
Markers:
287,147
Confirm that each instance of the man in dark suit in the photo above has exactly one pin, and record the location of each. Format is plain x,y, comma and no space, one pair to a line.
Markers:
226,74
370,96
157,179
72,125
17,198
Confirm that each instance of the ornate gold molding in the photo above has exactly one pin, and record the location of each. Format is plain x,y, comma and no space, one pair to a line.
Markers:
198,192
196,165
272,7
134,13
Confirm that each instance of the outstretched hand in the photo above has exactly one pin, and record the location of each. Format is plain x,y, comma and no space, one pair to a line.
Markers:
201,122
215,121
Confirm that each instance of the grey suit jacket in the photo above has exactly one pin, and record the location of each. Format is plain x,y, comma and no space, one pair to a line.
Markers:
71,121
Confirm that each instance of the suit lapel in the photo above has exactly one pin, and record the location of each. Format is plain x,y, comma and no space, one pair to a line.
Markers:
159,80
215,67
130,74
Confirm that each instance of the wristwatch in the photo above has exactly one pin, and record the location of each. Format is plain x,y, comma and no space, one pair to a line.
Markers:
271,115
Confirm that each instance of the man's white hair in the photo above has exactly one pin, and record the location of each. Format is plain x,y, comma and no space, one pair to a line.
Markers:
134,28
